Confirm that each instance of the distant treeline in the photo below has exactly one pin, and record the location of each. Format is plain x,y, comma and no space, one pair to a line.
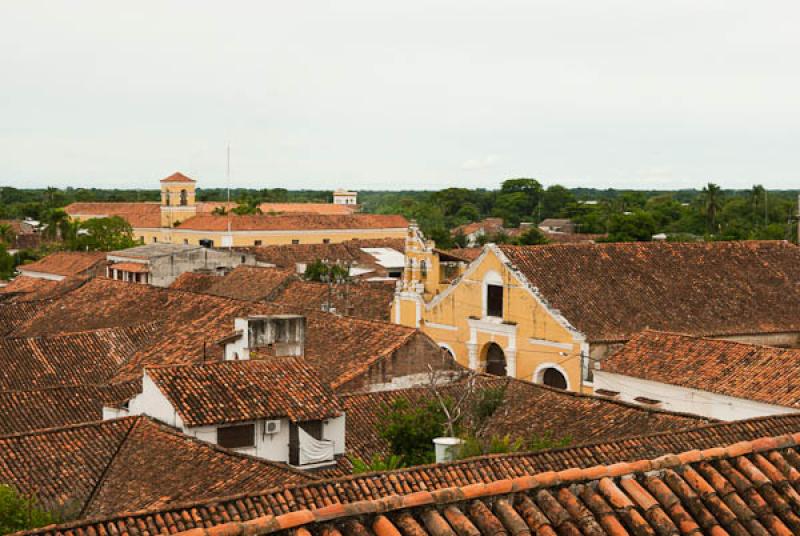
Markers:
709,213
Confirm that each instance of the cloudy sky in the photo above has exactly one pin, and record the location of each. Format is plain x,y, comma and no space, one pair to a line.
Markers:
386,95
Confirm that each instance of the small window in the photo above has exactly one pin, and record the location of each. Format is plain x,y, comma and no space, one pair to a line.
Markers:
423,269
326,240
235,437
295,241
155,239
494,300
206,243
257,242
184,198
185,241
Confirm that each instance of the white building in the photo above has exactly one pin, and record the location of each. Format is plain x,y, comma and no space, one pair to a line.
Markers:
344,197
720,379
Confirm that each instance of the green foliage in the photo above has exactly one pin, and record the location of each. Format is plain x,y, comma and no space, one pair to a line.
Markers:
19,513
475,446
532,236
410,430
101,234
7,263
7,234
546,441
636,226
376,463
486,403
323,271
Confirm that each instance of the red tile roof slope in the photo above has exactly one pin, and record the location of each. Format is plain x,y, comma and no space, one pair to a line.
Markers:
750,371
370,301
611,291
24,288
527,410
266,222
53,407
194,282
139,215
177,177
747,488
134,267
342,348
289,255
13,314
306,208
70,359
66,263
251,283
109,466
236,391
482,470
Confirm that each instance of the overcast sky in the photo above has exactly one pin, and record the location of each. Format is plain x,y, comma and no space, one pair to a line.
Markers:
427,94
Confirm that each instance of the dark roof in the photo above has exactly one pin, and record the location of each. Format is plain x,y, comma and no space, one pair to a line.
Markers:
484,470
611,291
292,221
750,371
745,489
54,407
526,410
194,282
66,263
105,467
69,359
251,283
236,391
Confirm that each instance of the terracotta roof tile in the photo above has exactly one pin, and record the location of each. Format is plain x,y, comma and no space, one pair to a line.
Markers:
611,291
371,301
388,488
177,177
66,263
139,215
251,283
134,267
266,222
307,208
194,282
26,288
749,371
349,251
235,391
547,508
108,466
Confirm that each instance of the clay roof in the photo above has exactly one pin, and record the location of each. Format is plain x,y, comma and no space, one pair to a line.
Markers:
488,225
611,291
177,177
194,282
343,348
462,254
289,255
52,407
139,215
371,301
307,208
16,313
134,267
24,287
105,467
527,409
573,237
69,359
65,263
750,371
747,488
481,472
266,222
236,391
251,283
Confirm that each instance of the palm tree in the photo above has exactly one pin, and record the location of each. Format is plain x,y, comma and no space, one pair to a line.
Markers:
758,195
56,221
712,203
7,234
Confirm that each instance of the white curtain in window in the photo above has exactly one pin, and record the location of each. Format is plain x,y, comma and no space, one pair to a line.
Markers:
314,450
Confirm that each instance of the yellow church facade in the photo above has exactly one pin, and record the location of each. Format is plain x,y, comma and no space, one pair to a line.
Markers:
488,316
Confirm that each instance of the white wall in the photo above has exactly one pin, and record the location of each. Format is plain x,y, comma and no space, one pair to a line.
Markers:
685,399
151,401
334,430
39,275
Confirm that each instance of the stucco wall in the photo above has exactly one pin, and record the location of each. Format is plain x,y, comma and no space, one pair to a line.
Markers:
248,238
684,399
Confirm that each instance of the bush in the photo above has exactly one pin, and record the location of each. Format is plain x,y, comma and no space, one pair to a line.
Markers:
410,430
376,463
20,513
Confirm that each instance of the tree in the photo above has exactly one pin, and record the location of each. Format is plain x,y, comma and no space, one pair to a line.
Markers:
55,222
103,234
410,429
6,263
532,236
712,202
555,199
636,226
323,271
376,463
7,234
19,513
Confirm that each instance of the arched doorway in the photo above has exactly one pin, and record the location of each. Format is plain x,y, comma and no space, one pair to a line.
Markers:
495,360
554,378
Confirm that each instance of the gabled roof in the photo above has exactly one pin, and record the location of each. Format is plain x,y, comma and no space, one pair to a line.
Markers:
483,470
609,292
749,371
194,282
289,255
65,263
371,301
306,208
237,391
53,407
27,288
251,283
745,489
69,359
104,467
526,410
139,215
288,222
177,177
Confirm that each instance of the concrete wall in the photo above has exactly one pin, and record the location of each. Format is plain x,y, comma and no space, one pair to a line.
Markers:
685,399
249,238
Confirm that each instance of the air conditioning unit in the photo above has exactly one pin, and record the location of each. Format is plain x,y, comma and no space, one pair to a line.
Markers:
272,427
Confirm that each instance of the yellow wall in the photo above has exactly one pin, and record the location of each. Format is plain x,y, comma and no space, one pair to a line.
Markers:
177,236
172,212
465,299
